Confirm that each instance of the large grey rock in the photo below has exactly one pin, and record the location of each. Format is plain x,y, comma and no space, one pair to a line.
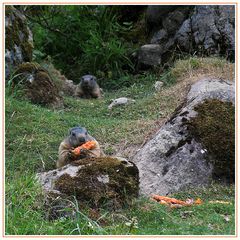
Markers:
18,39
96,181
211,29
159,37
174,159
150,55
183,36
204,29
174,20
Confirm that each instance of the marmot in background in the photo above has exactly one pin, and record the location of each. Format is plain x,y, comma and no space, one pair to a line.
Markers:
88,88
77,136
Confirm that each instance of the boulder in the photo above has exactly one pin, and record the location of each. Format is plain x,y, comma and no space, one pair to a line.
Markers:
202,29
38,85
96,181
159,37
174,20
18,40
149,55
195,146
210,29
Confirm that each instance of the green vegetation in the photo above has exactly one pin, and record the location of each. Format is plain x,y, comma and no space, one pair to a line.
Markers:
33,134
81,39
216,120
78,40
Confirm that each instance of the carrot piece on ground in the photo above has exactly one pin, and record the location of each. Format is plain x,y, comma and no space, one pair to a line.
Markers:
175,203
198,201
168,200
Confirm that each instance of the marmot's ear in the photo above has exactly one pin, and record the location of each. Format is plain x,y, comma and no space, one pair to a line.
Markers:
70,131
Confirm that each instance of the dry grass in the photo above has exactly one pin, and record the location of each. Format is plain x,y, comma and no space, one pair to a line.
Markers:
186,72
193,68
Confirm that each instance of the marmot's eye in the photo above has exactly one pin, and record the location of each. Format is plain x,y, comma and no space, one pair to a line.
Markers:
86,133
73,134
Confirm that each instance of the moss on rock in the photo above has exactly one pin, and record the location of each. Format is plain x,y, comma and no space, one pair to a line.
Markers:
101,180
214,126
18,33
29,67
38,85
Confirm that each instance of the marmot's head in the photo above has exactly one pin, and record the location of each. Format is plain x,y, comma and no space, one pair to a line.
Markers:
88,81
77,136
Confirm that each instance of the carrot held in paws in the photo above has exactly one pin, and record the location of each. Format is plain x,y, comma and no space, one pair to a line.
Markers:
88,145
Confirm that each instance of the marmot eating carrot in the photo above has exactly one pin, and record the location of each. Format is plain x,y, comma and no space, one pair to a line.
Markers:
77,137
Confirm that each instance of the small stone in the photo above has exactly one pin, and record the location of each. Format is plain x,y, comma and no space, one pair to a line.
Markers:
158,86
120,101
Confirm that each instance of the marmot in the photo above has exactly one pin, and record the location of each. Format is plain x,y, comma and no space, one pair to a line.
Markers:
88,88
77,136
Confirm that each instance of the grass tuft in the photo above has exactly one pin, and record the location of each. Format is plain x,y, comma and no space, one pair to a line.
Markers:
33,135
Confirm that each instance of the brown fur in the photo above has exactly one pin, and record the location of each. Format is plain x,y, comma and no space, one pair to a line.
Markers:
88,88
65,155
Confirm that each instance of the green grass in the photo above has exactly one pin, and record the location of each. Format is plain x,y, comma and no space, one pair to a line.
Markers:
33,134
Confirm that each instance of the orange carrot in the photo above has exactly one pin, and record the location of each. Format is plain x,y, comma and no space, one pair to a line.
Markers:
198,201
88,145
174,203
168,200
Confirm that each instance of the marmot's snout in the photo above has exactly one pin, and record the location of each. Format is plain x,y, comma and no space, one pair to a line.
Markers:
81,139
85,81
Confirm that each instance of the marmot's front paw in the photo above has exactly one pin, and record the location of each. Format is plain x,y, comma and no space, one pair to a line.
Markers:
84,151
71,154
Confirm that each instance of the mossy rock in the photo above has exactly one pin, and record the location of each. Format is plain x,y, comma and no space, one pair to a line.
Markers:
18,35
98,182
38,85
195,146
214,127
